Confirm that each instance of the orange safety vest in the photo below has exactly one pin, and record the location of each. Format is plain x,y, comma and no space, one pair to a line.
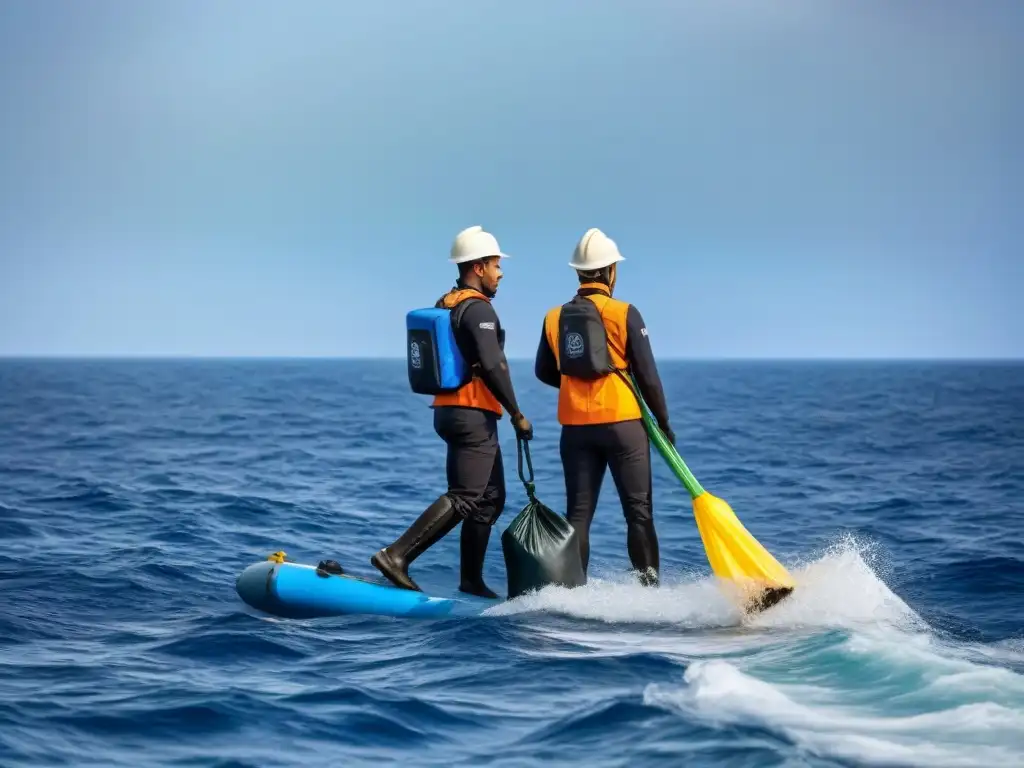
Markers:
475,394
607,399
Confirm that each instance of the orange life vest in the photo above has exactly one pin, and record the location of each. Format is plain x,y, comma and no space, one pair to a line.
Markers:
475,394
606,399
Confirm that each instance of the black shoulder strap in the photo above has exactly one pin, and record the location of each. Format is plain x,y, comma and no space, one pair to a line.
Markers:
460,309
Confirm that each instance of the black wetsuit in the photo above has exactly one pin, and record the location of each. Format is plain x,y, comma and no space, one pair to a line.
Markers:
476,475
623,447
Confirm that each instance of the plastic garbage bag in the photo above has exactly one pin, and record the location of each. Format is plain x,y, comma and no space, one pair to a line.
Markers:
540,546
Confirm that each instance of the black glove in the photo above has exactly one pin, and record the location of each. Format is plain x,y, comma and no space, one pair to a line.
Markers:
524,429
669,434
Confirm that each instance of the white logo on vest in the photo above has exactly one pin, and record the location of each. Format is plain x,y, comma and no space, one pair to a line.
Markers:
414,355
574,345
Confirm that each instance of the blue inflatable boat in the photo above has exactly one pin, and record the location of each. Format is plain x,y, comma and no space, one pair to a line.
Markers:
280,587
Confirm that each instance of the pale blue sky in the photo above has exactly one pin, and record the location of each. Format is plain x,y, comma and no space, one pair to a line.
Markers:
790,179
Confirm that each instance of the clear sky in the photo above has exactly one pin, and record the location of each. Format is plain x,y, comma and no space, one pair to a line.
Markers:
799,178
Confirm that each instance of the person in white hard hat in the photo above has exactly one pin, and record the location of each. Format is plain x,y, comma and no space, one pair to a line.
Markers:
467,420
587,347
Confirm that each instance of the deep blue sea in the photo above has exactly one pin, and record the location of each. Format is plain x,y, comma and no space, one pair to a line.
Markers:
133,492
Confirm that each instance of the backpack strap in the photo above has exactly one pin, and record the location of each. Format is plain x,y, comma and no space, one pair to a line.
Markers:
460,310
456,319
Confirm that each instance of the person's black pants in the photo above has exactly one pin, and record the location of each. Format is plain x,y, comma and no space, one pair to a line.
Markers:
624,448
476,474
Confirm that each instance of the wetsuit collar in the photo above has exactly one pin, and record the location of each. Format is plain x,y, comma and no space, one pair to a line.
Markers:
461,286
589,288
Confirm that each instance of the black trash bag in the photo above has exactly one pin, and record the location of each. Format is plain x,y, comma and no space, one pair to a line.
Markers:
540,546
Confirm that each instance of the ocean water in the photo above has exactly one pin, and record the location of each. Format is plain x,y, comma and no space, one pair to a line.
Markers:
133,492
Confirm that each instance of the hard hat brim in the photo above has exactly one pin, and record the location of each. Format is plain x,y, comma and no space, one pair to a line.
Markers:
597,264
471,257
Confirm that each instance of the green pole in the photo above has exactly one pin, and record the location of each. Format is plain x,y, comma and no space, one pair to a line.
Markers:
665,448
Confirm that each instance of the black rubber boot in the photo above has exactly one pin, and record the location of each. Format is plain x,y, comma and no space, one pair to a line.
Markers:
472,551
642,544
435,523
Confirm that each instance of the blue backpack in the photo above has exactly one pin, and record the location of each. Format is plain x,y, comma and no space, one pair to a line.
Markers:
433,359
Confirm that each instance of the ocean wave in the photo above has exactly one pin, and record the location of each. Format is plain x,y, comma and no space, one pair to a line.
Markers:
827,723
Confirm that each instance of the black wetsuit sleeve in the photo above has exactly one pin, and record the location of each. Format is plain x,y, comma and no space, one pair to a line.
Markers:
479,324
641,361
545,368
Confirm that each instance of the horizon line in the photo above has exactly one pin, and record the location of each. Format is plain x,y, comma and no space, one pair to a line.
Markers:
151,356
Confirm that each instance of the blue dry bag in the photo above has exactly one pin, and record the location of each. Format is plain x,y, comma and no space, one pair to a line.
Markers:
434,361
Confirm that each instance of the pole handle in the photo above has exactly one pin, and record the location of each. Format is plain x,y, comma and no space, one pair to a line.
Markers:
524,448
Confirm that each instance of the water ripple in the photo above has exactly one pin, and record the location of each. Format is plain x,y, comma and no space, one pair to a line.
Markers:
133,492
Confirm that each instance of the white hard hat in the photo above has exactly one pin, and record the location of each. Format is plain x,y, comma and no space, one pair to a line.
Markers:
473,243
595,250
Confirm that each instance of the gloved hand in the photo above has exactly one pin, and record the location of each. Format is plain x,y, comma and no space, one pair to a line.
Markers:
524,429
669,434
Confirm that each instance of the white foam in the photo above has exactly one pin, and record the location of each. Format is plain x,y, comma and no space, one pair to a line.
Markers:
841,590
1004,652
638,619
838,590
690,604
974,734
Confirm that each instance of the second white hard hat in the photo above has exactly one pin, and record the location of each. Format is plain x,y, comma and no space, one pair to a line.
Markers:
595,250
473,243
